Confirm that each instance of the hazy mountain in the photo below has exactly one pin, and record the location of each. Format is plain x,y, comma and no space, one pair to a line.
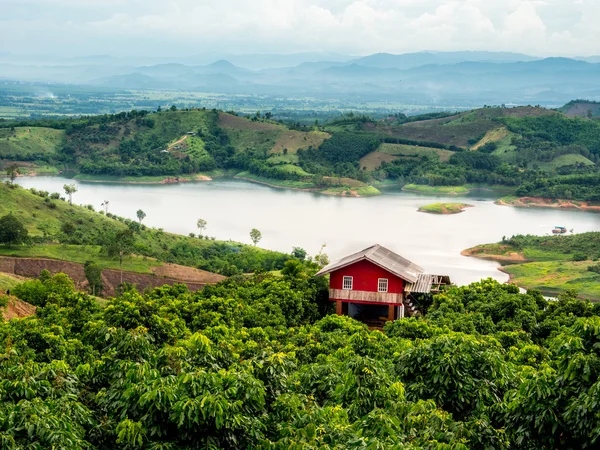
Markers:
278,61
410,60
415,78
590,59
223,66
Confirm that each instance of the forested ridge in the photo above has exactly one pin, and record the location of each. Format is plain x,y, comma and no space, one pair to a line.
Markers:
253,363
532,150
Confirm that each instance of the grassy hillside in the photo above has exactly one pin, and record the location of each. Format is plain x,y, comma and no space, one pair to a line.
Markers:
391,152
531,150
8,281
552,264
75,233
28,142
561,161
291,140
581,108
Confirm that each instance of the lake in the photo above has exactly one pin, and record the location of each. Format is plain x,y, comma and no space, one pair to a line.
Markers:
289,218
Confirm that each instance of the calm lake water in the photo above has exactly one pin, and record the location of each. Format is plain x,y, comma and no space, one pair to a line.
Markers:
293,218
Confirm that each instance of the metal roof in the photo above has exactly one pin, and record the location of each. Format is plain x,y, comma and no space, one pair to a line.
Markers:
426,283
383,258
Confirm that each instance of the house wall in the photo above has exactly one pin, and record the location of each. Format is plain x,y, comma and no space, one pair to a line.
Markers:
365,278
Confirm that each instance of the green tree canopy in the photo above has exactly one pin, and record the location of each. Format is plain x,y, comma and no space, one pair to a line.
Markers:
12,230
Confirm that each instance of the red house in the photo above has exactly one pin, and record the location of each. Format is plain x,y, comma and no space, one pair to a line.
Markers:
376,285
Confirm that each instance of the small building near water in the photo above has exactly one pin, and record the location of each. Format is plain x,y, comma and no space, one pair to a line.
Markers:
376,285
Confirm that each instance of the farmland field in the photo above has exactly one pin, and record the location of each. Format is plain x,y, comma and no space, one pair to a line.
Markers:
563,160
390,152
293,140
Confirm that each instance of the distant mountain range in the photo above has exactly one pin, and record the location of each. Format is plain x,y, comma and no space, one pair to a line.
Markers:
458,78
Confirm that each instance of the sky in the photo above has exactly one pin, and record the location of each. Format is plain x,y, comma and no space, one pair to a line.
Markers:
353,27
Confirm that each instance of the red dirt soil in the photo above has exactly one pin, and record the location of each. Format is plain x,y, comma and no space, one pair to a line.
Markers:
17,309
168,274
535,202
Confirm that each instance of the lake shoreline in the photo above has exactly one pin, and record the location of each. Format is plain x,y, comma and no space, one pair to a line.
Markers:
525,273
159,180
315,190
511,258
539,202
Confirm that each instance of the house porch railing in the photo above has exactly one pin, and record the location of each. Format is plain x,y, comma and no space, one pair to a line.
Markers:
365,296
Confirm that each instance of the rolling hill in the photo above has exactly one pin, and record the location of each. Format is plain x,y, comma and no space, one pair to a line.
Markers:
60,231
513,147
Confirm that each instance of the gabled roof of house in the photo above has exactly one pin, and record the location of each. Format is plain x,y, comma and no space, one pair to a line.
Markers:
382,257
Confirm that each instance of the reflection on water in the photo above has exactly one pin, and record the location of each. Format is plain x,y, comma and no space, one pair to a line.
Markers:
292,218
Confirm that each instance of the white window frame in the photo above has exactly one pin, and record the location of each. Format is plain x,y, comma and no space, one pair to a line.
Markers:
380,283
347,283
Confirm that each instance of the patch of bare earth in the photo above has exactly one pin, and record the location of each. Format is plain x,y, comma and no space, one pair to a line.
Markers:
440,121
17,309
241,123
477,252
374,159
293,140
527,111
188,274
536,202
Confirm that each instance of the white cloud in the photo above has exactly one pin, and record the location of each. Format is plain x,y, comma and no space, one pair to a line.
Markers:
544,27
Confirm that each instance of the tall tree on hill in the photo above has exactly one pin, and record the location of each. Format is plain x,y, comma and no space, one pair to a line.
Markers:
140,215
11,172
12,230
93,273
255,235
201,224
120,244
70,189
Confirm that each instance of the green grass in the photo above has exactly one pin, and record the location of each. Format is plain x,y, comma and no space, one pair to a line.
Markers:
292,169
548,262
243,140
390,152
25,141
194,146
38,170
141,180
80,254
280,158
8,282
38,216
362,191
444,208
562,160
445,190
459,131
554,277
42,219
277,183
495,188
414,150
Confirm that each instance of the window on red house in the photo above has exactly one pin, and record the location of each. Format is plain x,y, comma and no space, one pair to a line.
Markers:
347,283
382,285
